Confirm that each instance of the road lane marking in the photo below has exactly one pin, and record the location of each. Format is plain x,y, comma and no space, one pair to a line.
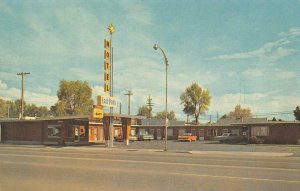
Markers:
240,178
204,159
151,162
117,169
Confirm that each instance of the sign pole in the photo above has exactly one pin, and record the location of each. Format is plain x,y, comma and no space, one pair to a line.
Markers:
111,30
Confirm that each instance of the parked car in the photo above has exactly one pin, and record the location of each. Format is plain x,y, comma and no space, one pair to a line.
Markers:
132,138
145,136
229,138
119,138
187,137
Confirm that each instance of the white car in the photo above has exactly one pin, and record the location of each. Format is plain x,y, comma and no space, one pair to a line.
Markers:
228,137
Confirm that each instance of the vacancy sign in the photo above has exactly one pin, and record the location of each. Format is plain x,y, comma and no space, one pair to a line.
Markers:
107,101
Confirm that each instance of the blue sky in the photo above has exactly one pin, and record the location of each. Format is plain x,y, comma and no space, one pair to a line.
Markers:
243,52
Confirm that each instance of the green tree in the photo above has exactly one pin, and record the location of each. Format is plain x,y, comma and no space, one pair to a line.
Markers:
297,113
36,111
4,107
195,100
162,115
15,108
144,111
240,112
74,98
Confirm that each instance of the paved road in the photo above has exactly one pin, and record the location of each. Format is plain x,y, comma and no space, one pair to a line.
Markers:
210,146
98,168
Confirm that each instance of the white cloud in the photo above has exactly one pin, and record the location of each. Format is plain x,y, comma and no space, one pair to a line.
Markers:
270,52
38,98
97,90
44,90
138,12
254,72
259,102
87,75
3,86
272,72
284,74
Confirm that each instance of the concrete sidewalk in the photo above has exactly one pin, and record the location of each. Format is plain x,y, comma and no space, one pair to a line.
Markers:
119,148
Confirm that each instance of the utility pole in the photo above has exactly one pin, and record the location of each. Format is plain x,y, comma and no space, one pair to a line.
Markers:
129,94
22,94
149,104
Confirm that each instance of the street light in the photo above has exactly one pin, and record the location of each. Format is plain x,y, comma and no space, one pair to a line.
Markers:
156,46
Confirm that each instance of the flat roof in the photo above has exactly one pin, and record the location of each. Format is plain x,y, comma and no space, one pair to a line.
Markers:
87,117
268,123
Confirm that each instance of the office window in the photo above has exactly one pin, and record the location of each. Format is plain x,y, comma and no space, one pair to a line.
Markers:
170,132
53,131
82,131
224,131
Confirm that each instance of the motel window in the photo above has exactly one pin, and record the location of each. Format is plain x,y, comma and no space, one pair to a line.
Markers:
170,132
224,131
53,131
152,131
208,132
201,132
82,131
193,131
260,131
181,131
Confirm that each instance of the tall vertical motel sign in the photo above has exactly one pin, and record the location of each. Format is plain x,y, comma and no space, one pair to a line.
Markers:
98,109
107,100
107,58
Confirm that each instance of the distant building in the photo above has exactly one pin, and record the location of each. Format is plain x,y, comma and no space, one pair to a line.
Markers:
232,120
160,122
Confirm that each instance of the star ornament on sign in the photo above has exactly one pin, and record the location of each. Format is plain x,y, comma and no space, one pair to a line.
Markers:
111,28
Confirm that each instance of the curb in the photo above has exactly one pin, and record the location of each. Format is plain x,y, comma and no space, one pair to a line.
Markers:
266,154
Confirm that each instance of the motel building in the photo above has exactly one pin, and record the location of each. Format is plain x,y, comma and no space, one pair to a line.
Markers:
68,130
85,130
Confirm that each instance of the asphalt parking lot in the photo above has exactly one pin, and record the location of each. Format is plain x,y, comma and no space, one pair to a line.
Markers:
207,146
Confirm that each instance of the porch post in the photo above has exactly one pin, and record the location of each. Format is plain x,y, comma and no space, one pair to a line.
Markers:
106,130
126,128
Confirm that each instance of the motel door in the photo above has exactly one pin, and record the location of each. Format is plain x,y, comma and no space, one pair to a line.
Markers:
101,134
158,134
201,134
76,132
95,133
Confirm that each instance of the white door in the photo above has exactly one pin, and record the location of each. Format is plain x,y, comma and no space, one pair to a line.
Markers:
101,134
158,137
95,133
201,134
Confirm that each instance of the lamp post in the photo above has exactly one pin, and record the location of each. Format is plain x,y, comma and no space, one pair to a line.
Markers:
156,46
111,30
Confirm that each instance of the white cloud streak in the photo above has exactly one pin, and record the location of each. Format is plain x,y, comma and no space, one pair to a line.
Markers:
270,52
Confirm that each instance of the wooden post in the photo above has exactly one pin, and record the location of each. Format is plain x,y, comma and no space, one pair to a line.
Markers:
126,128
106,130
